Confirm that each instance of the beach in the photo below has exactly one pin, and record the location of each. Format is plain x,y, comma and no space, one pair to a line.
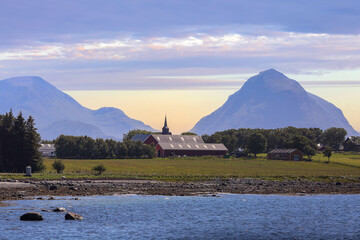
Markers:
22,189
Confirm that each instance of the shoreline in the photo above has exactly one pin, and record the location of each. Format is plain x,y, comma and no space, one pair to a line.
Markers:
23,189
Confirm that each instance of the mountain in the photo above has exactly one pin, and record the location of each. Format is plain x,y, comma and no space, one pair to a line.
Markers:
271,100
57,113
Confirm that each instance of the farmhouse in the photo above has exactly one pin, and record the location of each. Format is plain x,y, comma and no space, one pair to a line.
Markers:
285,154
47,150
352,144
167,144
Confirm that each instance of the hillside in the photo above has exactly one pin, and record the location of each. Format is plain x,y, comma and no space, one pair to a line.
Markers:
56,113
271,100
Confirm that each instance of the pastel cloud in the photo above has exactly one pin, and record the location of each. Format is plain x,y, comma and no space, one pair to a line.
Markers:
160,44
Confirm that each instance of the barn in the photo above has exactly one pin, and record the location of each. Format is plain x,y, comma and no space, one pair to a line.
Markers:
352,144
167,144
285,154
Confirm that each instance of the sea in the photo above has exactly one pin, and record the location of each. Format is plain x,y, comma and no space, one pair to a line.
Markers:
228,216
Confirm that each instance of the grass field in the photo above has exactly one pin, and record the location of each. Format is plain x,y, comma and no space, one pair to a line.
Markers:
347,159
204,169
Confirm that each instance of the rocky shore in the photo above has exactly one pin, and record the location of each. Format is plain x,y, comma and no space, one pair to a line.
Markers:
16,189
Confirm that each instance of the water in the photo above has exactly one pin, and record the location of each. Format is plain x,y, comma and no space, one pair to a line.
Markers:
161,217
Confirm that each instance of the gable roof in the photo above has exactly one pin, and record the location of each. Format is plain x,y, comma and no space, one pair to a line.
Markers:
178,139
46,146
283,150
354,140
193,146
140,137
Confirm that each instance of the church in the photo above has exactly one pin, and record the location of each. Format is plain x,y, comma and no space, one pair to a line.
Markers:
167,145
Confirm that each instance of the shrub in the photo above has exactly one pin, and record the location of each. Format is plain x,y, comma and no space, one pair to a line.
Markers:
59,166
99,168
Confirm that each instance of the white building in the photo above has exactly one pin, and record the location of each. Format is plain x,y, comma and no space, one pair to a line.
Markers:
47,150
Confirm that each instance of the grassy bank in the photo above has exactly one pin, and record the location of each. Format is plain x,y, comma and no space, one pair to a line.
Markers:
204,169
347,159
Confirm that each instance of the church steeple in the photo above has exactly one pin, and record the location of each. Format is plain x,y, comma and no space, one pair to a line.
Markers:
165,129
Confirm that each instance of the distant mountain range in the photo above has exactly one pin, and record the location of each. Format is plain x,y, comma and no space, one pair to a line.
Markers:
57,113
271,100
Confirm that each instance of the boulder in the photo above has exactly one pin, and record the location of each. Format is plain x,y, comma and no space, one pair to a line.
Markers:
52,187
31,216
73,216
59,209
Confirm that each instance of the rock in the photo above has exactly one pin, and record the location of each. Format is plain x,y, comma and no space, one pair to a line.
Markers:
52,187
51,198
59,209
63,177
31,216
338,183
73,216
73,188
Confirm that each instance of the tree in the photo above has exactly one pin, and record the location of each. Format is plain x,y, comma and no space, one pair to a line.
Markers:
309,151
304,144
327,153
230,142
99,168
59,166
333,137
188,133
19,143
256,143
32,155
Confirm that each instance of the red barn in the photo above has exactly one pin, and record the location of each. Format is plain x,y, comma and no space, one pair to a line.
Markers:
180,145
285,154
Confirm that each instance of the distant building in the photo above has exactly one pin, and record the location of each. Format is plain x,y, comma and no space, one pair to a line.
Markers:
180,145
285,154
47,150
352,144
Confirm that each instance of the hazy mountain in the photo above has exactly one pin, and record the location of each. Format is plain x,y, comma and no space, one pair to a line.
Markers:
56,112
271,100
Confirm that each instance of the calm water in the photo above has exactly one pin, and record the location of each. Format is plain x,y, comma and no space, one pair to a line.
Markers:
160,217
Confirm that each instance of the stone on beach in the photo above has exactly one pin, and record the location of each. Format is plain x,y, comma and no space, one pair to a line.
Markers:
31,216
73,216
59,209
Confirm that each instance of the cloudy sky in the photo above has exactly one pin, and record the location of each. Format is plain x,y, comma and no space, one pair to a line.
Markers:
179,57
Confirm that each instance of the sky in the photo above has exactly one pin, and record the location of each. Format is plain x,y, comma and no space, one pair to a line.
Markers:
182,58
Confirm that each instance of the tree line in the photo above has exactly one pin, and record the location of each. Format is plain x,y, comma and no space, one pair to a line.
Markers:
19,143
264,140
83,147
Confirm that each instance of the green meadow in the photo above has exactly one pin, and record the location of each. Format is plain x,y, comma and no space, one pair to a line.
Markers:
207,168
347,159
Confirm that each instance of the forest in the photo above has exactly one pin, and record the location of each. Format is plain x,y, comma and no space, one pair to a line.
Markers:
19,143
264,140
83,147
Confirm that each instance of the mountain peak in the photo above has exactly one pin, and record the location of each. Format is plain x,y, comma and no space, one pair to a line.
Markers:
270,71
26,81
56,112
273,81
272,100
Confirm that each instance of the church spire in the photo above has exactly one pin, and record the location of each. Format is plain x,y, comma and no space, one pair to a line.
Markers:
165,129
